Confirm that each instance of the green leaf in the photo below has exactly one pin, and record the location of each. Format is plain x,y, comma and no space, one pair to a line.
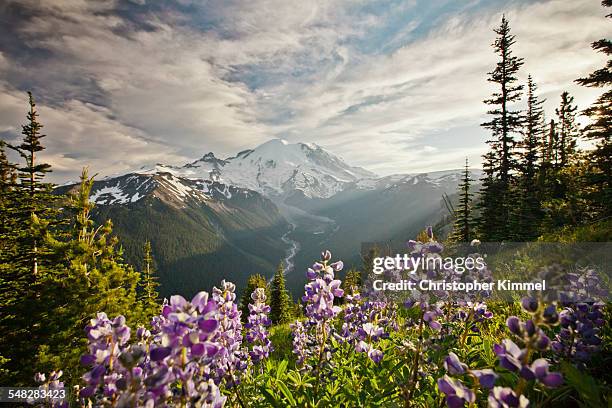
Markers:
282,366
586,385
283,388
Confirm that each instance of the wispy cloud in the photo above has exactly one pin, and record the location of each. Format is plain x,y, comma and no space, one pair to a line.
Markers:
394,86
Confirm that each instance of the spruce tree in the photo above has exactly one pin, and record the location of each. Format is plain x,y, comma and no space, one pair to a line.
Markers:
37,198
488,227
149,297
599,130
527,215
463,225
505,122
280,301
26,260
254,282
567,130
352,282
8,182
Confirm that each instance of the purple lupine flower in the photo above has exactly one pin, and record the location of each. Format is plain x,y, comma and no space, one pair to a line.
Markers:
529,304
301,343
430,318
457,394
258,320
319,295
429,231
539,370
579,337
486,377
513,358
106,340
171,364
232,358
453,365
510,355
53,383
375,355
501,397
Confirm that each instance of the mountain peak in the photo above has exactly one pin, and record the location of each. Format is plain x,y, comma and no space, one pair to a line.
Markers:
276,168
208,157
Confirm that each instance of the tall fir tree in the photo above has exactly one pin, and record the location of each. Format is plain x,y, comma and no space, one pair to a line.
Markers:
149,296
281,307
505,122
8,182
599,130
463,230
488,221
28,260
526,214
352,282
37,198
567,130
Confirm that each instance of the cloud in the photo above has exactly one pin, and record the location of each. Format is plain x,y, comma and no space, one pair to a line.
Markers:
438,82
395,86
82,134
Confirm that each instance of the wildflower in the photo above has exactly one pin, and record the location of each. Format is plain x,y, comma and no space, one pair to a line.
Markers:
501,397
258,320
457,394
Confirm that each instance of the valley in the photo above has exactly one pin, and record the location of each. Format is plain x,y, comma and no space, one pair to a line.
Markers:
279,202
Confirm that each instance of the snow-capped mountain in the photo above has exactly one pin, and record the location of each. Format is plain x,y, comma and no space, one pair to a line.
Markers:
161,184
277,202
444,180
276,168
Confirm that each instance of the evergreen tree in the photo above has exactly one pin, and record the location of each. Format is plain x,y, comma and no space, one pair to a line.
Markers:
352,282
567,133
254,282
149,296
91,277
526,216
488,223
37,198
8,181
25,261
281,306
463,225
599,130
505,122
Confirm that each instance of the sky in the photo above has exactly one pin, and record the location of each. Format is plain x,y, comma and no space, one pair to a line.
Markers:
392,86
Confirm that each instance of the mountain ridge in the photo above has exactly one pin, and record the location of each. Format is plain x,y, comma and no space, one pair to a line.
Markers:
218,218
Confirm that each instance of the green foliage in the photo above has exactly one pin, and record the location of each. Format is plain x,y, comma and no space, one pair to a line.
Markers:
544,182
599,130
90,277
57,268
29,214
352,281
407,374
281,338
526,214
464,223
500,162
281,306
149,297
